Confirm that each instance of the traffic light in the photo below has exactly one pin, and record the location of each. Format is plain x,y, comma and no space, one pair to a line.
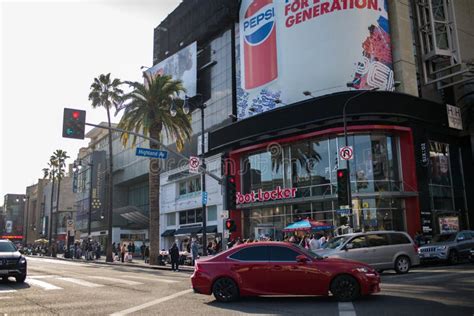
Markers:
229,193
74,123
343,194
230,225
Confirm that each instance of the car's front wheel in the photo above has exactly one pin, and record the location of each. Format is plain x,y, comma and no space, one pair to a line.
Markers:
21,278
402,264
345,288
225,290
453,257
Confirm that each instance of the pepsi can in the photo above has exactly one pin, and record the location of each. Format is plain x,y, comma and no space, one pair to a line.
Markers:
258,28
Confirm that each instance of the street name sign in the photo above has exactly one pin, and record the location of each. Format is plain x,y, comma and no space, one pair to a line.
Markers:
151,153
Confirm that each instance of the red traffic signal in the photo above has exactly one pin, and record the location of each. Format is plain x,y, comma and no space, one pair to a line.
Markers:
74,123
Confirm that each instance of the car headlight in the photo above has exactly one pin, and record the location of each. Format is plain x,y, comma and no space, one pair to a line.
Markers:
22,261
441,248
362,270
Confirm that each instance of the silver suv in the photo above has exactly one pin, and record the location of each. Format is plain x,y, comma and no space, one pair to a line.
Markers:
448,247
383,250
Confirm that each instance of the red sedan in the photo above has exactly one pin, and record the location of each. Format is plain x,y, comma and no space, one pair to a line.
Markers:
279,268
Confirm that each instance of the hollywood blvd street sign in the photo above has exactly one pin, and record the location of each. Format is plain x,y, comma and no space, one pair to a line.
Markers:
151,153
262,196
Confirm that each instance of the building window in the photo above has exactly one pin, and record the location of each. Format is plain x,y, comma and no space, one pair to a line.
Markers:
212,213
189,187
190,216
171,219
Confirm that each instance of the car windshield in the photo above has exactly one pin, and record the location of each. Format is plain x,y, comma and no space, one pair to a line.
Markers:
336,242
444,237
7,247
309,253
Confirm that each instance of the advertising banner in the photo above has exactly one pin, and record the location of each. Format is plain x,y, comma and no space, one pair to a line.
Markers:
98,183
182,66
448,224
285,47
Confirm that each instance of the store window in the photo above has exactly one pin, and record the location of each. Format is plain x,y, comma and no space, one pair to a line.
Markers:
440,182
212,213
263,170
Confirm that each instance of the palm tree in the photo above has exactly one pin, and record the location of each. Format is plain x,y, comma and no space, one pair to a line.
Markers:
50,173
147,110
106,93
59,156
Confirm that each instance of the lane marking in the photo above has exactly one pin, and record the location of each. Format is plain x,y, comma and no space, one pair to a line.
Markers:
346,309
6,289
115,280
57,261
150,279
80,282
42,276
46,286
155,302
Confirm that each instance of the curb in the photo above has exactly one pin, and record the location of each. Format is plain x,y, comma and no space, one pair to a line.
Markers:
119,264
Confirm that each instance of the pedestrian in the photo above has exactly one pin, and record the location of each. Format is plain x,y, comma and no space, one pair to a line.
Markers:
419,238
210,250
322,241
194,250
133,248
147,254
174,256
314,243
123,251
142,251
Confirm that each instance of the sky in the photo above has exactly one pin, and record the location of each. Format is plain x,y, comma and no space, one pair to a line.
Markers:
50,52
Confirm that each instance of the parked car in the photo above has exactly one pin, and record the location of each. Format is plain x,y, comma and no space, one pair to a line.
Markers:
382,250
471,255
12,263
280,268
450,247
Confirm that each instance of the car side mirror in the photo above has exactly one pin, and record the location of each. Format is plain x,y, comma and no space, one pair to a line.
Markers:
348,246
302,259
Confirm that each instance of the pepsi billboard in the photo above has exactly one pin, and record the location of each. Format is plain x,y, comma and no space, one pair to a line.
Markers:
285,47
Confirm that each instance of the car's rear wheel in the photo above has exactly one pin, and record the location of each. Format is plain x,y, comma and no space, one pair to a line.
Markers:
345,288
453,257
21,278
402,264
225,290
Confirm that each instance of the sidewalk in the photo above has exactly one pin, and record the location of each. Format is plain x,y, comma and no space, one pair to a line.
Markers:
136,263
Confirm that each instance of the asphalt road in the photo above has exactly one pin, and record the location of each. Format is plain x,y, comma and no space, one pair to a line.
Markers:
57,287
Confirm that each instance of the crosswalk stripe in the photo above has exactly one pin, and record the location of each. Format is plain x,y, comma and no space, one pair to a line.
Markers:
116,280
151,279
42,276
6,289
45,285
80,282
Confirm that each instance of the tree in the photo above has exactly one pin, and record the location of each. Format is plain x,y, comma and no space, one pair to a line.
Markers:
107,93
55,171
147,110
59,157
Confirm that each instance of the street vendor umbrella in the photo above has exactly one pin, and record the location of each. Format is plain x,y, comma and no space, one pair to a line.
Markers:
41,241
307,225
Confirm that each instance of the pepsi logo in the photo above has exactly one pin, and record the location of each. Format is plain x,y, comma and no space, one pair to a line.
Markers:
258,26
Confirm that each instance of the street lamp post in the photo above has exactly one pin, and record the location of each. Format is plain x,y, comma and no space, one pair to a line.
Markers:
189,105
27,223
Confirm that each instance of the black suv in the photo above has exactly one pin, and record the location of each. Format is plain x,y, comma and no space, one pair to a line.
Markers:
12,263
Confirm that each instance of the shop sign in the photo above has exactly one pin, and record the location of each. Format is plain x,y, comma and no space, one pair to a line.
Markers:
262,196
454,116
424,154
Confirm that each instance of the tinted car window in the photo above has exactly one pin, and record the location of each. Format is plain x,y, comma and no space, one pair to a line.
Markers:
7,247
358,242
464,235
256,253
376,240
282,254
444,237
396,239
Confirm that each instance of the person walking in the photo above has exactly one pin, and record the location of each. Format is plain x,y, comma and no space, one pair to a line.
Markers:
314,243
174,256
147,254
123,251
194,250
142,251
